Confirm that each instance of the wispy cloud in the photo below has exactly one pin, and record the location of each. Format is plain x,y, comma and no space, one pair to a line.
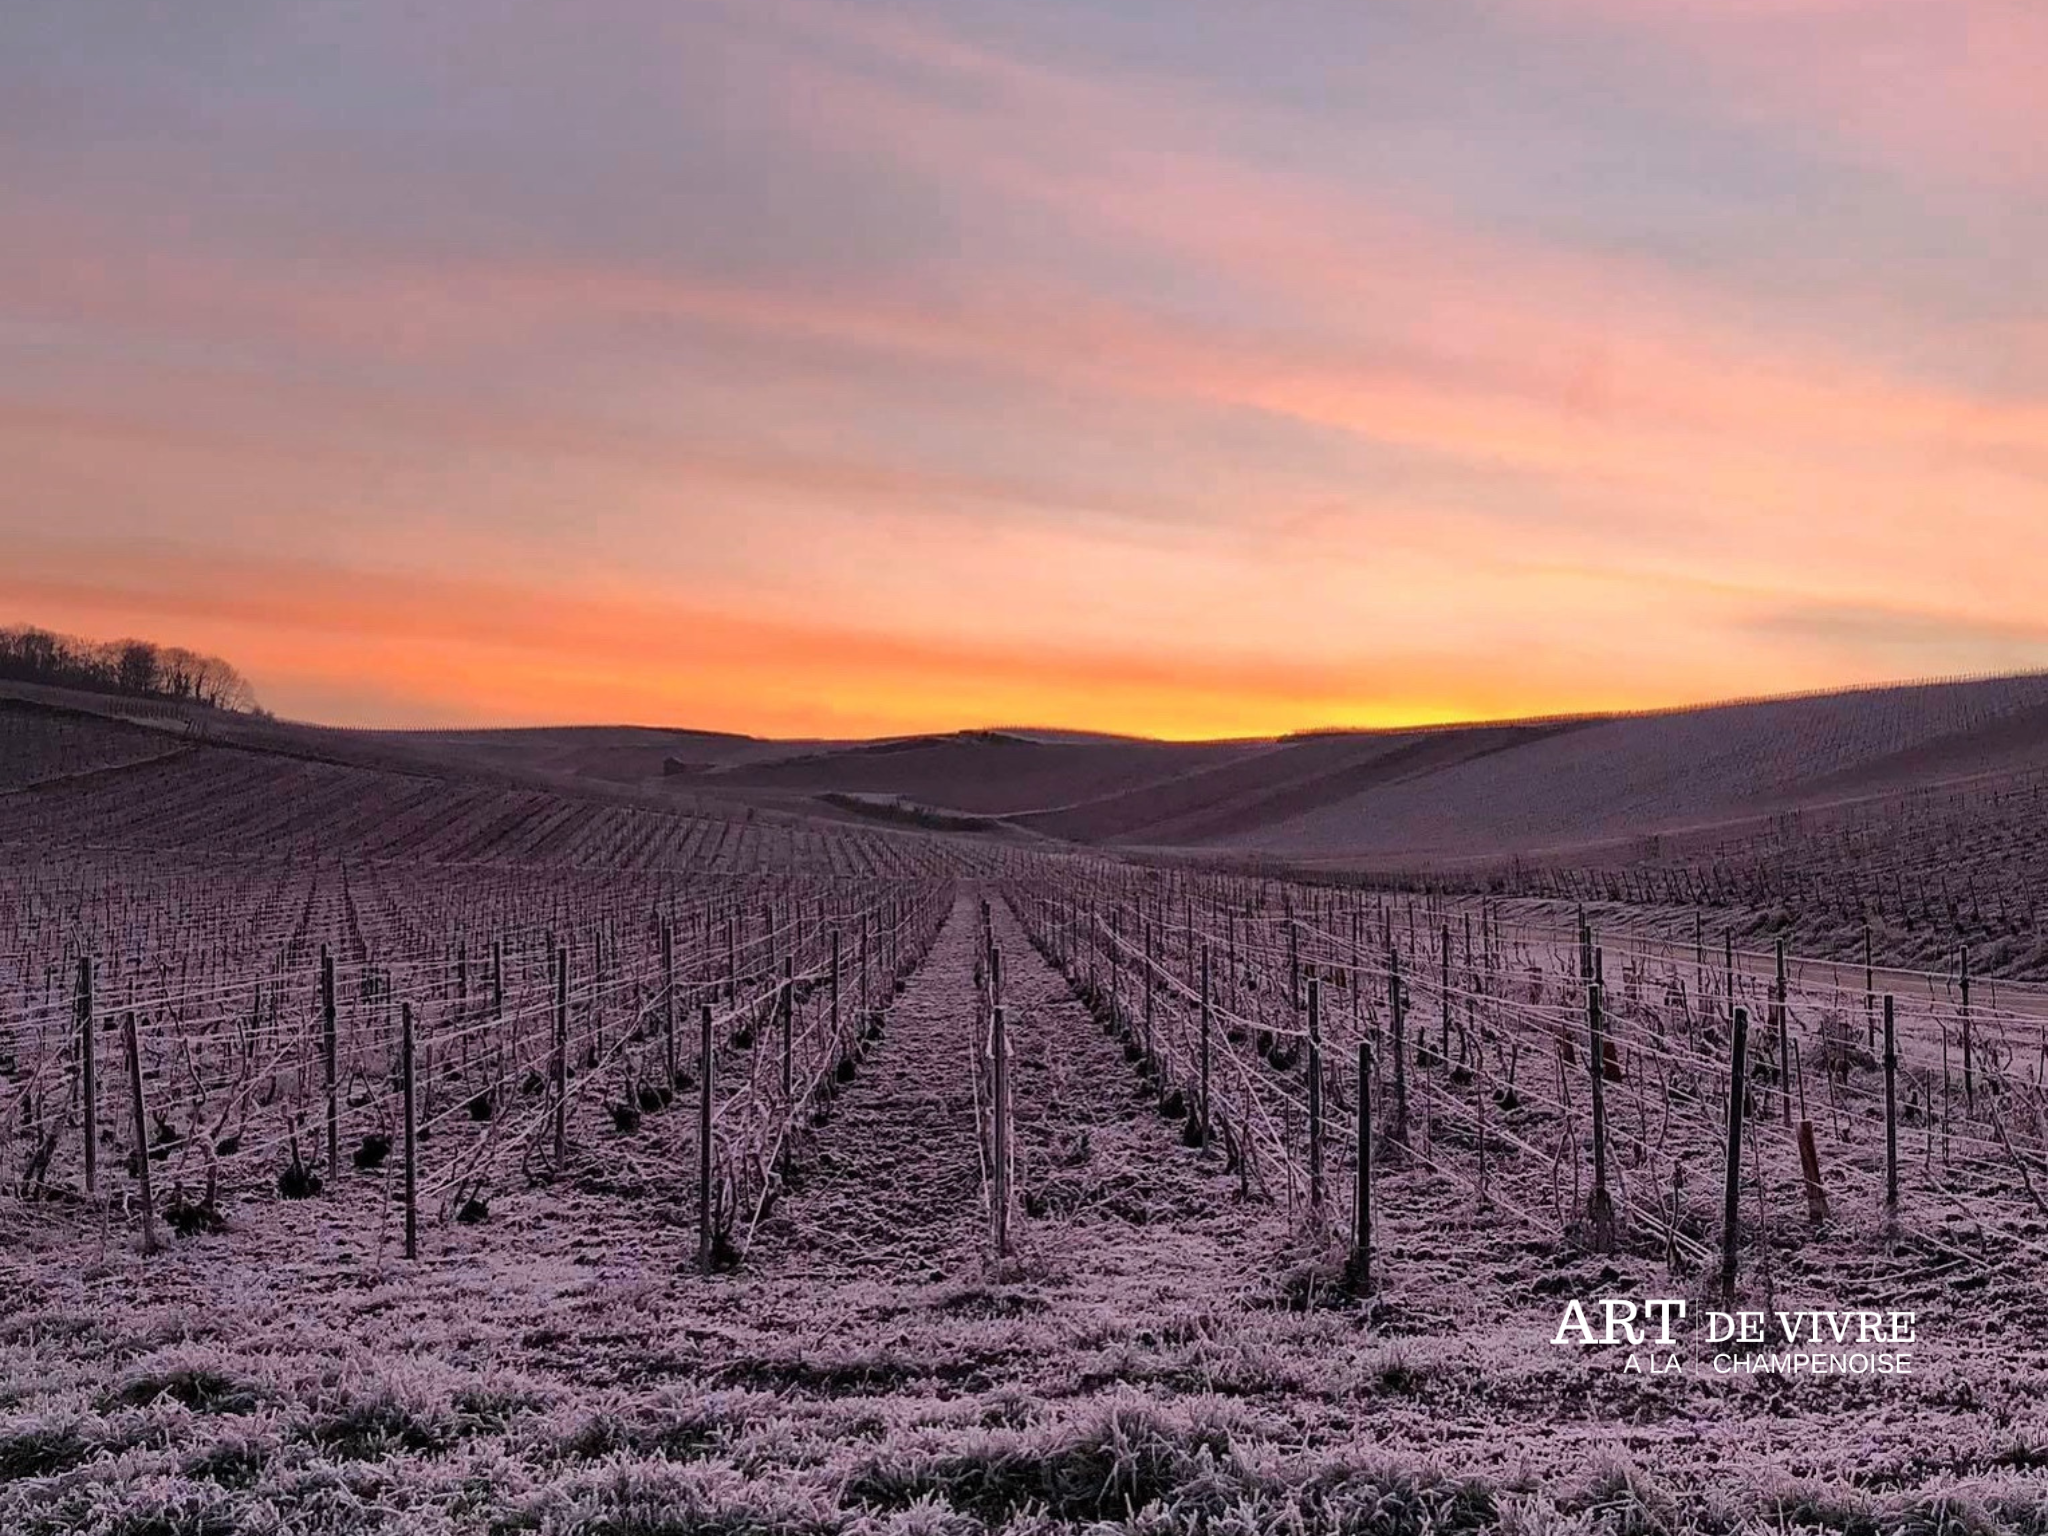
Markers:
1937,88
1147,394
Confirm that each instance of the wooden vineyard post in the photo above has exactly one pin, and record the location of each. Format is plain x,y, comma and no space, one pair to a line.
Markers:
1809,1171
1600,1212
1479,1101
1891,1109
1361,1209
134,1051
839,1038
1094,949
593,1012
786,1006
1969,1072
999,1202
328,1062
1779,1027
88,1074
1315,1095
1230,955
668,1000
501,1047
1150,1062
704,1091
1208,1017
561,1054
1731,1189
412,1240
1444,996
1116,968
1869,992
1355,978
1400,1046
1699,962
1728,970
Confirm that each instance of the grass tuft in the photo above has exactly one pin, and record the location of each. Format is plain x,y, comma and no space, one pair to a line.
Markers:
42,1448
1105,1466
194,1378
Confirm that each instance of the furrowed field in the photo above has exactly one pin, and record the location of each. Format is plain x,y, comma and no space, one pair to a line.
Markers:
413,1147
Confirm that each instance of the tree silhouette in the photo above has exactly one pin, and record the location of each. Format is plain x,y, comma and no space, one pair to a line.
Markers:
135,668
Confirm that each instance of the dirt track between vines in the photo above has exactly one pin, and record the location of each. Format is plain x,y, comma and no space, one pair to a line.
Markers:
888,1199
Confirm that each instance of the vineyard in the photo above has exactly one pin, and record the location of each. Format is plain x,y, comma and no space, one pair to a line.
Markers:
1504,1058
41,746
265,1011
240,804
1919,873
1557,789
389,1150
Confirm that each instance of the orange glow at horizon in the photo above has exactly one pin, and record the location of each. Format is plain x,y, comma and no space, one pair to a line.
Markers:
370,649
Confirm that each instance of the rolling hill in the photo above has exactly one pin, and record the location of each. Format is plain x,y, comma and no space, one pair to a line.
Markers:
1563,790
1543,788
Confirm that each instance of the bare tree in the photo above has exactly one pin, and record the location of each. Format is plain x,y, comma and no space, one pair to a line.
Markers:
135,666
221,686
139,668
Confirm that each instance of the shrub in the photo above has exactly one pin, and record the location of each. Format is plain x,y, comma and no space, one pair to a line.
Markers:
40,1448
1103,1467
196,1378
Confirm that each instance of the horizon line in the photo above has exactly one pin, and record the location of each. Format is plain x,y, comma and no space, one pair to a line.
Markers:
1419,727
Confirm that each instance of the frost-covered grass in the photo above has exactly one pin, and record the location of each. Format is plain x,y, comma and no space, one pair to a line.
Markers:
198,1395
1152,1360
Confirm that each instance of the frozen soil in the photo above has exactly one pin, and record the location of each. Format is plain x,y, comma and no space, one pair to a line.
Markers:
1157,1356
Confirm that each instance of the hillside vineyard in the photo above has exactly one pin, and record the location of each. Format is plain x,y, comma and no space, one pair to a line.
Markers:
387,1028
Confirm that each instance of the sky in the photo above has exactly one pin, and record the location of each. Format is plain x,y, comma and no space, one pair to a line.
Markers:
835,368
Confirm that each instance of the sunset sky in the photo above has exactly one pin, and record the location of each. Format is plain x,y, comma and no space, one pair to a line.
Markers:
805,367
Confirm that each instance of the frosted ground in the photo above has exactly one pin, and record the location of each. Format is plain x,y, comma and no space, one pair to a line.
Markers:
1160,1357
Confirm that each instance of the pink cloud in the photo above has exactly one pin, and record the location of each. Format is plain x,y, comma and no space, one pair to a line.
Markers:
1935,87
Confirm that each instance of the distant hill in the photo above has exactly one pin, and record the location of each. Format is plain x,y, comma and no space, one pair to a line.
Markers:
1558,789
1541,790
1538,788
982,772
